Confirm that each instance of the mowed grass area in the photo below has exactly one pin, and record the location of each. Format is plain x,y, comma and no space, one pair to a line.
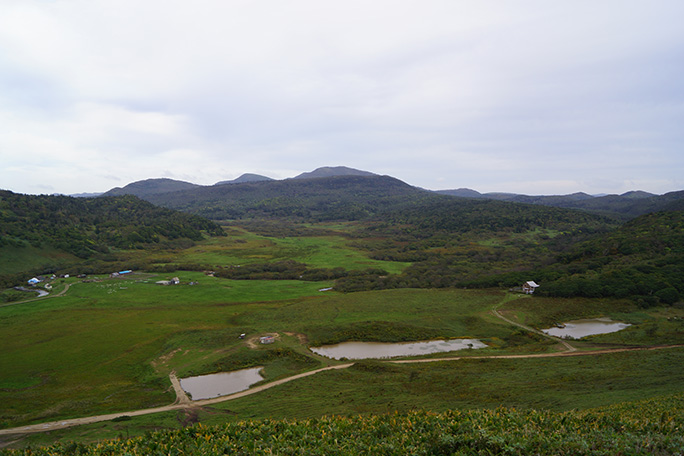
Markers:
243,247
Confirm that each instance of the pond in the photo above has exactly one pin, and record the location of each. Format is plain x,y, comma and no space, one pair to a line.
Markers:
40,292
365,350
582,328
221,384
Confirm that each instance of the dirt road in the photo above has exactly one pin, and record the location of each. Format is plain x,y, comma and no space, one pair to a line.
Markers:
183,401
39,298
179,404
567,345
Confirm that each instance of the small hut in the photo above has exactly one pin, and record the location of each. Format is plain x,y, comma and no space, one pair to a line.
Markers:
529,287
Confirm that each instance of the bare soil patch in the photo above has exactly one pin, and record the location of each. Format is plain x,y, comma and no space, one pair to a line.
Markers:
254,342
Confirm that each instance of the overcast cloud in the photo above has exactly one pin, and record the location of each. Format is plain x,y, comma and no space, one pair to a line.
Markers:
536,97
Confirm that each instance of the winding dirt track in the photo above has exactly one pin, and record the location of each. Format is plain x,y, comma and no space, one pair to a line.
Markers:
39,298
183,401
567,346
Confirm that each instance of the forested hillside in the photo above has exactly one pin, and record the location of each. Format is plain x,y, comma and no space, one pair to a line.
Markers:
91,228
332,198
148,187
340,193
468,242
480,243
643,259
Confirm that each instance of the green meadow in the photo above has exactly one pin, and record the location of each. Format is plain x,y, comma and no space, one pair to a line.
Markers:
242,247
109,344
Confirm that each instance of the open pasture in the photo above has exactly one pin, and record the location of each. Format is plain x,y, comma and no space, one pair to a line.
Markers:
109,345
242,247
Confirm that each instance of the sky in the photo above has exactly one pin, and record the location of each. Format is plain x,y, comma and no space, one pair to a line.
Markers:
524,96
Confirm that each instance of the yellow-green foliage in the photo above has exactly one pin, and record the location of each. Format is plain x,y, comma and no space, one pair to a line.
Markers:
475,432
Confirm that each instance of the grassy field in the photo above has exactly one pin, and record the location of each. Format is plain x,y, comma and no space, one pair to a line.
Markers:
662,325
242,247
619,384
108,345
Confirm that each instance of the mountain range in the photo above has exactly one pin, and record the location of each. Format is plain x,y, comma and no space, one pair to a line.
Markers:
333,192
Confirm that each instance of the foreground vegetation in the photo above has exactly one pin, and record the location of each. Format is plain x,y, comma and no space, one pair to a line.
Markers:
655,430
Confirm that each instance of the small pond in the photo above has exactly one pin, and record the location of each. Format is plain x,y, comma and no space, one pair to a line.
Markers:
582,328
221,384
365,350
40,292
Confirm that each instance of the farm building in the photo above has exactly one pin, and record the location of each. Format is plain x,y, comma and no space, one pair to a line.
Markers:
267,339
529,287
120,273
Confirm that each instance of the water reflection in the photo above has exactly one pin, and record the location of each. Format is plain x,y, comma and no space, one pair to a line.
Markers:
582,328
221,384
365,350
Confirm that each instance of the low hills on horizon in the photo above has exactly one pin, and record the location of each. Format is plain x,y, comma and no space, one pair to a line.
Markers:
342,186
164,185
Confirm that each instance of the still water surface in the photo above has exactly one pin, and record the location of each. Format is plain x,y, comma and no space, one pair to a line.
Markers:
221,384
582,328
365,350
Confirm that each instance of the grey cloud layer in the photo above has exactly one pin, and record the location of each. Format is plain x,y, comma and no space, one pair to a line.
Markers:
525,96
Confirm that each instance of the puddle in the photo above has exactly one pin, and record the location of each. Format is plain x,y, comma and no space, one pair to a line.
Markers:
582,328
364,350
221,384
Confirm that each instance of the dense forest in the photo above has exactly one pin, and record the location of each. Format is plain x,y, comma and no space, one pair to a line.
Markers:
320,199
92,228
572,254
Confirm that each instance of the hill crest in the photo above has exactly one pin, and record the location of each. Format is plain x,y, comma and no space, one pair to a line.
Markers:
150,187
332,171
247,177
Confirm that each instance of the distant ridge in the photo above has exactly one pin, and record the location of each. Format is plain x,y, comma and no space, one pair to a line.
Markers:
86,195
637,194
345,197
247,177
331,171
626,206
282,196
148,187
462,193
